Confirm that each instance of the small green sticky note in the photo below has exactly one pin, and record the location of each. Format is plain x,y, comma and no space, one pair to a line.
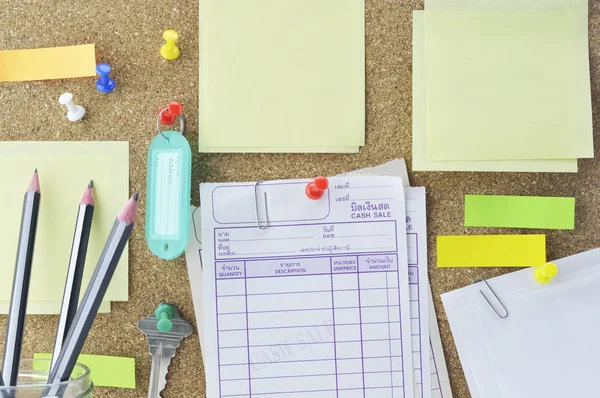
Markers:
106,371
519,212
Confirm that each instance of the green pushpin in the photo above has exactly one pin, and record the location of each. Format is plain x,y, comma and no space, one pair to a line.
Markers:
164,329
164,313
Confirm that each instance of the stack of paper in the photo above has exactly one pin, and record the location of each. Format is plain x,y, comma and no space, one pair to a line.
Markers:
285,76
515,96
546,343
328,301
65,169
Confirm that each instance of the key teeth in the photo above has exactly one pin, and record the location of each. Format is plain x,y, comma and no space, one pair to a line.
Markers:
164,345
163,383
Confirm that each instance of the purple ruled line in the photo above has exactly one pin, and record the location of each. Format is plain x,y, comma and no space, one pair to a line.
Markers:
316,374
318,390
334,341
307,326
362,353
318,342
301,255
247,337
310,309
305,291
387,298
271,239
311,360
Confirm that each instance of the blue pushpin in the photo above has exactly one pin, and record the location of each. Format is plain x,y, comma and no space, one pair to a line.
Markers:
105,84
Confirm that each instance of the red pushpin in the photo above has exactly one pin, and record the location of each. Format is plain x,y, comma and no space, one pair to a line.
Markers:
170,113
316,188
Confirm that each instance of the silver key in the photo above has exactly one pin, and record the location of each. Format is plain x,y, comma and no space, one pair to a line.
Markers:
162,347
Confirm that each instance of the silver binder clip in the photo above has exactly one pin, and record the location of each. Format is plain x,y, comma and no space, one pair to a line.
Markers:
260,225
488,300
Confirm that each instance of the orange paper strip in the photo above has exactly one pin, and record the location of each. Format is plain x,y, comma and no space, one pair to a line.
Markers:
48,63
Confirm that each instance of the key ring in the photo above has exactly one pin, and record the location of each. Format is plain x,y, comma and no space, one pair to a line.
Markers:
181,123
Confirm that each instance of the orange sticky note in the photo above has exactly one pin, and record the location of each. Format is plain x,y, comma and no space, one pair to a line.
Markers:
48,63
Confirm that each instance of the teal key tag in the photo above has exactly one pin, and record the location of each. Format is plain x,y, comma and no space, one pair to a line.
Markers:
168,197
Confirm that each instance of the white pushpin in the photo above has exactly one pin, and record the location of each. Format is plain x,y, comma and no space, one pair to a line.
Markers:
75,112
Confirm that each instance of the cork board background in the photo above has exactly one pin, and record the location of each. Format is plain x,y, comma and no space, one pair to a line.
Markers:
128,36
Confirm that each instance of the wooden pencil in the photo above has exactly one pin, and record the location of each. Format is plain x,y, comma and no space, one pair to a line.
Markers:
83,227
20,288
94,294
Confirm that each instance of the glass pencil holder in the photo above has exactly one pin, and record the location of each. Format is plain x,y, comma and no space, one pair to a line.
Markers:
33,379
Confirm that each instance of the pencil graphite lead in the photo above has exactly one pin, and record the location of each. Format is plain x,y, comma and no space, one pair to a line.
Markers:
129,212
34,183
88,196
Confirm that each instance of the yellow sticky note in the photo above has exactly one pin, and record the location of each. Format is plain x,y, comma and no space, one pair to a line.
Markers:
106,371
491,250
49,307
512,5
486,95
282,73
47,63
65,169
420,162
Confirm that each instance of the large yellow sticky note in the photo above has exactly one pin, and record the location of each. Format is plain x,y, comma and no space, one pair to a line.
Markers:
512,91
512,5
491,250
65,169
282,73
47,63
420,161
49,307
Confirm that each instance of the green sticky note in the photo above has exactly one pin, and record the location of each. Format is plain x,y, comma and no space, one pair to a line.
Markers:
519,212
106,371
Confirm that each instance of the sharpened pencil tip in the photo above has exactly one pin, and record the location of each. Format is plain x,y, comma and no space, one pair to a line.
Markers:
91,184
88,196
34,183
129,212
35,171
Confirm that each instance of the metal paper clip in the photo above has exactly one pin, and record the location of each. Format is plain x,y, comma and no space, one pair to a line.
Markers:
181,123
488,300
258,223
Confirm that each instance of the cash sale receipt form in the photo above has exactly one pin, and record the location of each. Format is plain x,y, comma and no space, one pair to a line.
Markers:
317,303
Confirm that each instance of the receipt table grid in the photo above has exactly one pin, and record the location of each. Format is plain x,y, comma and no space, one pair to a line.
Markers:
327,325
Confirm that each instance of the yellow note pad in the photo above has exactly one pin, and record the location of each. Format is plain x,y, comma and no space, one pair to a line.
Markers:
65,169
49,307
420,162
511,5
486,95
106,371
282,73
491,250
47,63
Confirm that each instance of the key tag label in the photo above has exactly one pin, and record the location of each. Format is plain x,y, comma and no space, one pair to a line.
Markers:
168,198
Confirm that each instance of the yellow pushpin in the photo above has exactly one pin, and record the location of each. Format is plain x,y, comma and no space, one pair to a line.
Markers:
169,50
545,273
